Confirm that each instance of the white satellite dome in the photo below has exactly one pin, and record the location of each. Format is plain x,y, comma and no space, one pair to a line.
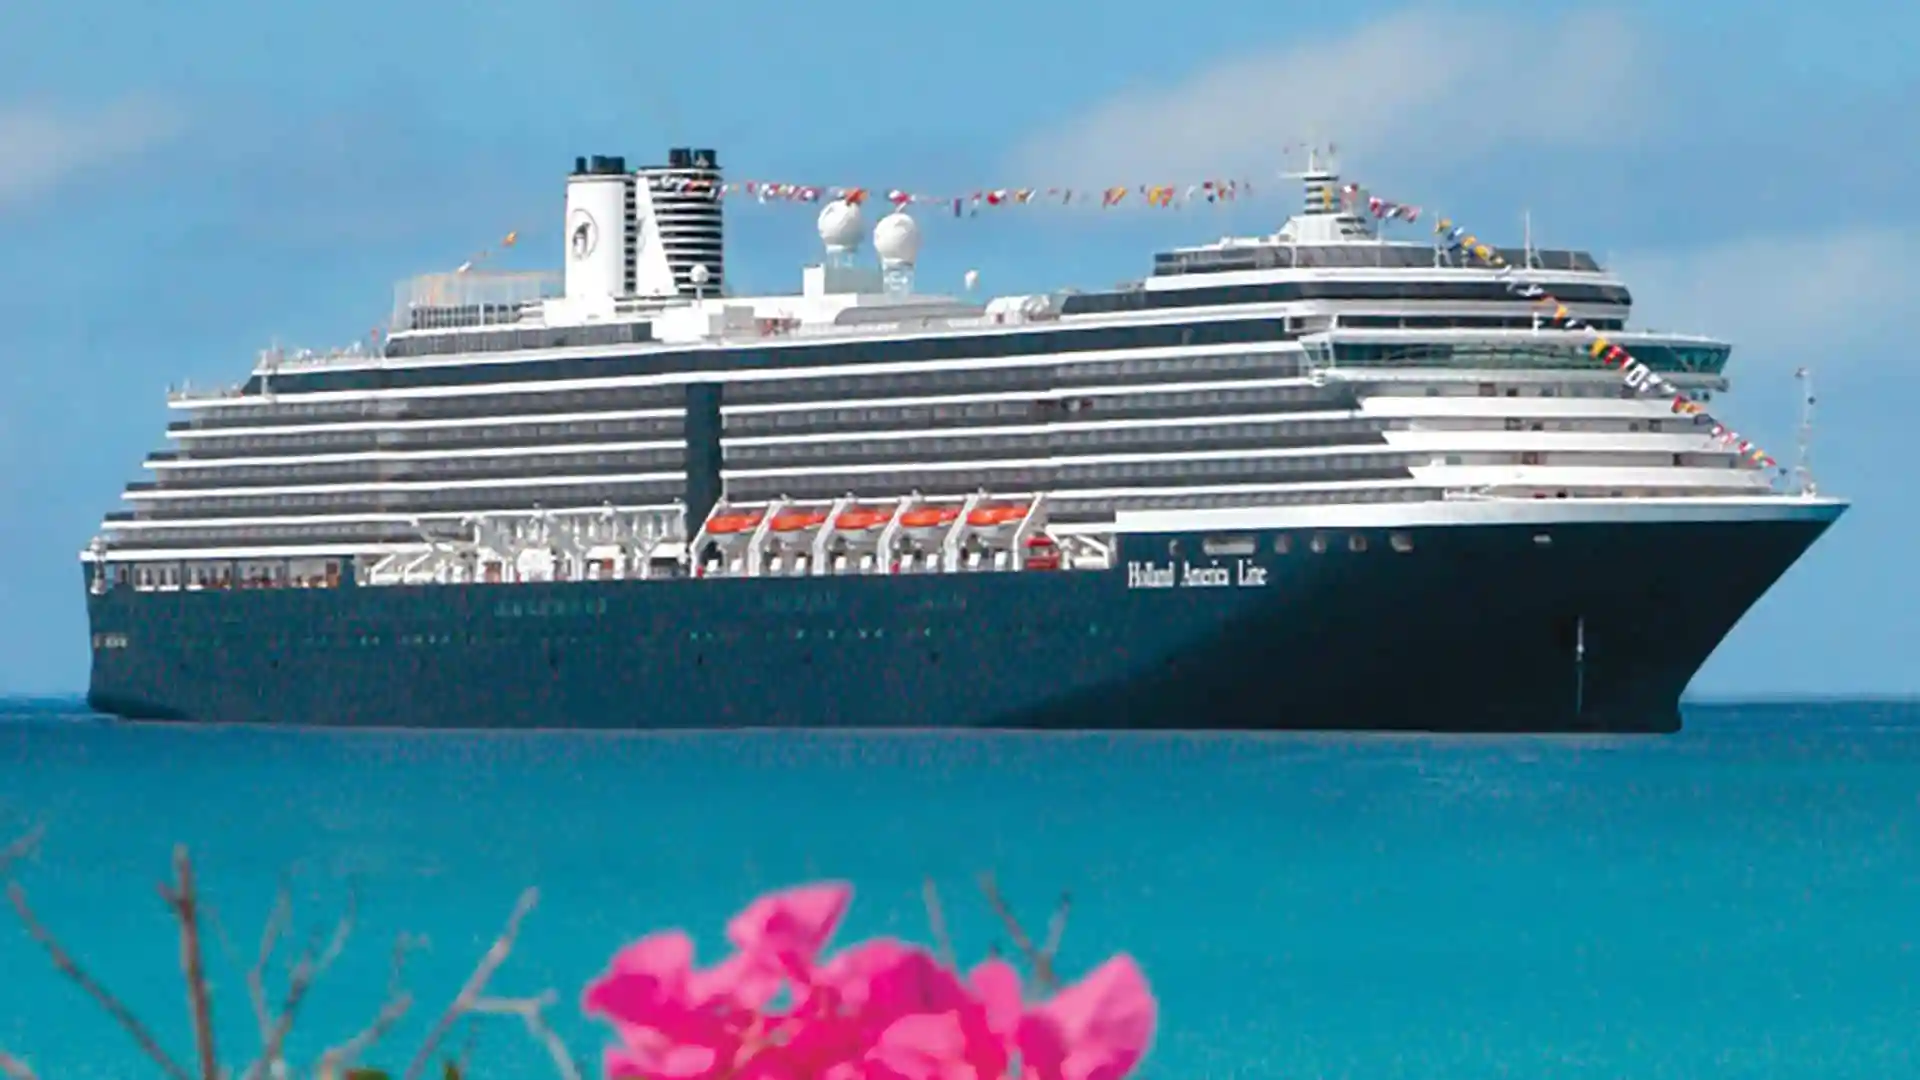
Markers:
897,238
840,225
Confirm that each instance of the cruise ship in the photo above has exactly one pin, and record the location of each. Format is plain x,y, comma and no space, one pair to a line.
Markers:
1318,479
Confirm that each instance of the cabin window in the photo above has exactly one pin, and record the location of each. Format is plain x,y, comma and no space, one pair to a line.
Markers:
1282,544
1402,542
1357,542
1318,544
1228,545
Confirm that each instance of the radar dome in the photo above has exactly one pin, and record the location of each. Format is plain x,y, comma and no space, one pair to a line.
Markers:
897,239
840,225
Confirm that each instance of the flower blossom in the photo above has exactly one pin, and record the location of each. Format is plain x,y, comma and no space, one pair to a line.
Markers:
879,1010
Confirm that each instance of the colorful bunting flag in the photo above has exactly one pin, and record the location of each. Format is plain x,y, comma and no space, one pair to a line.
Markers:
1633,373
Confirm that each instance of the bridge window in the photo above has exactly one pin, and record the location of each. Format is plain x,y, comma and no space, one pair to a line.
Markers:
1228,545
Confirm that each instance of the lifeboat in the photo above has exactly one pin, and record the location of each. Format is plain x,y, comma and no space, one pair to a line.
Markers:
729,524
795,520
987,517
928,517
860,519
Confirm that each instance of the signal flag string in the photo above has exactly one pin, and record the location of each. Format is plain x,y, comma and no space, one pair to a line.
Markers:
970,203
1634,373
484,254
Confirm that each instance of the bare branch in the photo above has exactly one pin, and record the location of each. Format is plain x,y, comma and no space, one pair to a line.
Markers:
306,972
277,920
1039,961
1057,928
182,898
210,915
15,1069
531,1011
20,848
476,983
12,1067
72,970
342,1057
937,922
463,1065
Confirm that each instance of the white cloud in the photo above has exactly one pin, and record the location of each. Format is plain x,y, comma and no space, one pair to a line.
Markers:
1781,295
42,146
1421,84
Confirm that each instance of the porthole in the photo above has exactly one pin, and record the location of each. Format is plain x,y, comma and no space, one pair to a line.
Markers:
1357,542
1282,544
1401,542
1318,544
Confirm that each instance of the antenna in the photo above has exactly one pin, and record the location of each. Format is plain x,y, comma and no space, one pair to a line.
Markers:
1803,469
1526,234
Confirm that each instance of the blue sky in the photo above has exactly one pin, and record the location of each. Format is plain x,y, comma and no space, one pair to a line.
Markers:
179,185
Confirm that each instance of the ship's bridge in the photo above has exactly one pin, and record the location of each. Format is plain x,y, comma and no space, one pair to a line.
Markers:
1262,253
1380,345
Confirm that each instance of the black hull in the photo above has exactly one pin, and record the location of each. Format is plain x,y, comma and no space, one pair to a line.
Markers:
1542,625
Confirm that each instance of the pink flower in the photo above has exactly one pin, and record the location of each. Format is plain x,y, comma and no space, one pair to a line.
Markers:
879,1010
674,1023
677,1022
788,929
1096,1029
952,1045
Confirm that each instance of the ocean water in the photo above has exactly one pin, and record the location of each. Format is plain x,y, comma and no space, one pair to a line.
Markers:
1742,899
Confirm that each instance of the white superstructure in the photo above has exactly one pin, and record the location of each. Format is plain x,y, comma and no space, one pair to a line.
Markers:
1321,365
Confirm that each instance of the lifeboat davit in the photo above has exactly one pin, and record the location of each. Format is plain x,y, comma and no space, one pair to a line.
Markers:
862,518
987,517
729,524
928,517
795,520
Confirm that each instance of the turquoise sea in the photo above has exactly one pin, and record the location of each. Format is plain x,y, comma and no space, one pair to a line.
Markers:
1742,899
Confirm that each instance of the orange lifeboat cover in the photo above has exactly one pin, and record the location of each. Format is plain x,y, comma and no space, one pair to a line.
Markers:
862,519
732,523
798,519
996,515
928,516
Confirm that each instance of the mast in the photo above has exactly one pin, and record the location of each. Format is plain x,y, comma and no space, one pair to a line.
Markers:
1803,468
